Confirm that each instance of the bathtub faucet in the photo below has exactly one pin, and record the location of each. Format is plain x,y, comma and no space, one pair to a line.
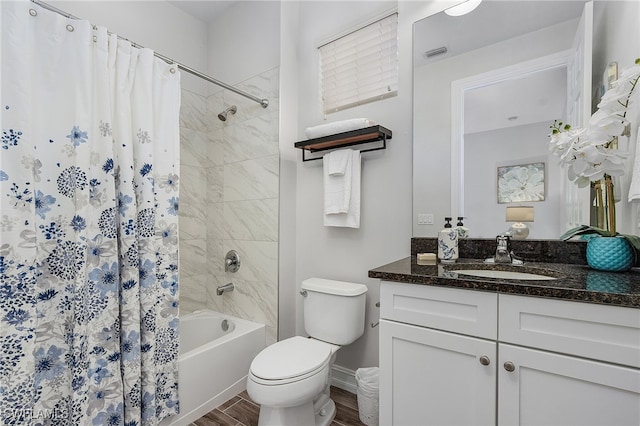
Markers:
224,288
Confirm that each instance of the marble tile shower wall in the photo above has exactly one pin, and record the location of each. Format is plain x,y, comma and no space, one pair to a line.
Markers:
229,201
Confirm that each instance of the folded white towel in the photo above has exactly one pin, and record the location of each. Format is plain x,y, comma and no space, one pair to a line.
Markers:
634,188
351,217
337,161
337,188
338,127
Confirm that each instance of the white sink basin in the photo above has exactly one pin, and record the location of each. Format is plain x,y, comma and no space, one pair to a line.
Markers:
509,275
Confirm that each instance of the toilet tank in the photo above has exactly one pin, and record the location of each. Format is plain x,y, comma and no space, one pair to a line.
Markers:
334,310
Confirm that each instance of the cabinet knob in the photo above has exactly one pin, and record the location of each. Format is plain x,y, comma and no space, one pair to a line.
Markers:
484,360
509,366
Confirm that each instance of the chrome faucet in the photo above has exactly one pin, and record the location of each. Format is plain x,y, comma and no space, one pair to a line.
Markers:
224,288
231,261
503,254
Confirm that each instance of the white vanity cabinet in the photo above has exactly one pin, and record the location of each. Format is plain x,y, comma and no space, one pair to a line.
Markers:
454,356
437,356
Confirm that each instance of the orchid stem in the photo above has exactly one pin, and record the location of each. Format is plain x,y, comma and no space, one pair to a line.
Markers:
599,205
611,205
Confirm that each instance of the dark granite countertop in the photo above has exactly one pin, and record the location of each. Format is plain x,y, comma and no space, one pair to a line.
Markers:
573,281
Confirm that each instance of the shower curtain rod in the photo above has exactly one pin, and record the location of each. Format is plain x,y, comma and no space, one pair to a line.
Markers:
263,102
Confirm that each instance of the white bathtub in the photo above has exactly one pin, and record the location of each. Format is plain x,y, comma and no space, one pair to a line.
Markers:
213,363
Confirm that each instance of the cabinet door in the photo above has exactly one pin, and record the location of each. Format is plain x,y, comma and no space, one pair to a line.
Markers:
545,388
431,377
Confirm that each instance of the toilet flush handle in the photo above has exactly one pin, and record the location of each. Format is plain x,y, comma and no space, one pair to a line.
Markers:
303,293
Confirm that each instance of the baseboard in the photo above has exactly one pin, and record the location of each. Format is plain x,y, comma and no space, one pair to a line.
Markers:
344,379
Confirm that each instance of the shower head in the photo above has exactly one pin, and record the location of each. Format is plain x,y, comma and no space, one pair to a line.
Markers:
223,115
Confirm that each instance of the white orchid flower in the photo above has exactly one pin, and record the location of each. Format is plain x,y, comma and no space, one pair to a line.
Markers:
587,152
605,122
614,100
562,144
629,76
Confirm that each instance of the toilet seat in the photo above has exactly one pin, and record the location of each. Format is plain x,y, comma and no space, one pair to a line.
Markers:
290,360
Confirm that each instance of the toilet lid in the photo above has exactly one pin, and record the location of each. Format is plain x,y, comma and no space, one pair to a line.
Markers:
289,358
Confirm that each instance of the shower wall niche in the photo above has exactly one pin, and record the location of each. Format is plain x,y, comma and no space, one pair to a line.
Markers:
229,201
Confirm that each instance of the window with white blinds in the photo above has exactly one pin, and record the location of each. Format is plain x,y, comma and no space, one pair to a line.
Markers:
361,66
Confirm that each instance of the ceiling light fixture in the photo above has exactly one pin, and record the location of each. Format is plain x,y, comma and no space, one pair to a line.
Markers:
463,8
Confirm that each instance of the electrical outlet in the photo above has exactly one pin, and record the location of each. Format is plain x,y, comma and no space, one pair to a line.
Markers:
425,219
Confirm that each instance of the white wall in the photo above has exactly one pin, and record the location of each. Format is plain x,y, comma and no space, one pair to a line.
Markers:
157,25
343,253
385,232
244,41
287,294
384,236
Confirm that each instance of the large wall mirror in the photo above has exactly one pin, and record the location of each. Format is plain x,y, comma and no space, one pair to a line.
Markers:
487,86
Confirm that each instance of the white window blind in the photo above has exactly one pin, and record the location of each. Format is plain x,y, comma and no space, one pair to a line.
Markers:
361,66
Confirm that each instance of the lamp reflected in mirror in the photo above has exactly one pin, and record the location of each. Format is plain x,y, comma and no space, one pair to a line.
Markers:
519,215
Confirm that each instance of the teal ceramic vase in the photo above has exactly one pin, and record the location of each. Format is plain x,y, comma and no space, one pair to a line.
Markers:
610,254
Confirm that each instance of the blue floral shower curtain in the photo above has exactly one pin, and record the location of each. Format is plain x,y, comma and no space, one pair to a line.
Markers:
89,165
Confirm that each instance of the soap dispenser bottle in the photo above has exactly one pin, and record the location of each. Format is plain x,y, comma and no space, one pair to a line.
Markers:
463,231
448,243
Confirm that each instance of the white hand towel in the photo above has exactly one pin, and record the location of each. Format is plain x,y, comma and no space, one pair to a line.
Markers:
337,188
350,218
337,161
338,127
634,188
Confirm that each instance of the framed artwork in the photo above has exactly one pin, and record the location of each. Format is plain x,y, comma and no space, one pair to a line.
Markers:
521,182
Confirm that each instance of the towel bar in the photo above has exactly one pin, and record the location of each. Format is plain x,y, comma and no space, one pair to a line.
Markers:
345,139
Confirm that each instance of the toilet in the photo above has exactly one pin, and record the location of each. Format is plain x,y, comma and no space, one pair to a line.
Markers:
291,378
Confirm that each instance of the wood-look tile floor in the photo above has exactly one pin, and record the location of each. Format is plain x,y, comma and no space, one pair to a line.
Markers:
242,411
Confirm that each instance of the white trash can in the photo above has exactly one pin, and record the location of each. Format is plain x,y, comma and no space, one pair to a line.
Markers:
368,380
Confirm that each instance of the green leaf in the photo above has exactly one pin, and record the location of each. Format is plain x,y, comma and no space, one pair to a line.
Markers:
634,240
584,230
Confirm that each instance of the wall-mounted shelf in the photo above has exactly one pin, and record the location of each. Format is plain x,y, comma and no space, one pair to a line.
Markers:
344,139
